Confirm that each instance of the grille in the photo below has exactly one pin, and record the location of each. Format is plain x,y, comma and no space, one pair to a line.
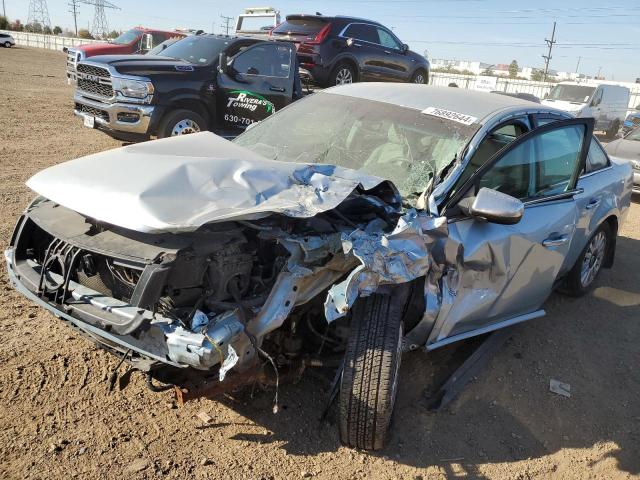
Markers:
635,120
96,112
100,84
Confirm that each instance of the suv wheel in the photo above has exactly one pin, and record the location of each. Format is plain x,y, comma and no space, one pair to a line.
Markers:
342,74
7,44
370,377
582,276
419,77
181,122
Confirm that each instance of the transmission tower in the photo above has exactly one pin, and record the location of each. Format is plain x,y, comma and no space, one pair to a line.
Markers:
100,26
39,13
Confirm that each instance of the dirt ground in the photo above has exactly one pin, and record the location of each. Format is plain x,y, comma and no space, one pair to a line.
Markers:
57,419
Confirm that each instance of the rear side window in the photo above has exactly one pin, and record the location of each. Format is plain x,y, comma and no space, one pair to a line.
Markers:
361,31
596,158
300,26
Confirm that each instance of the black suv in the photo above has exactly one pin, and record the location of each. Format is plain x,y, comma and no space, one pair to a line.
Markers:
338,50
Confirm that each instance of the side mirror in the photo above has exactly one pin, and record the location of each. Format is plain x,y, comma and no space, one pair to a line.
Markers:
223,65
493,206
595,102
405,48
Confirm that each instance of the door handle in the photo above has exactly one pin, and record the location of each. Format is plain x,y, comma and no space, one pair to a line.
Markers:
555,241
387,52
357,44
593,203
277,89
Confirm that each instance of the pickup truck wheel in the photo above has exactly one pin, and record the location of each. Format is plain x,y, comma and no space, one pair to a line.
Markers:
581,278
342,74
370,377
181,122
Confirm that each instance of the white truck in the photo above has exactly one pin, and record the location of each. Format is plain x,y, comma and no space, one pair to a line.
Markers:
257,21
606,103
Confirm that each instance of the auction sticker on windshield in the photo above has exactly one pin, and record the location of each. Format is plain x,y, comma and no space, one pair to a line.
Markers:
449,115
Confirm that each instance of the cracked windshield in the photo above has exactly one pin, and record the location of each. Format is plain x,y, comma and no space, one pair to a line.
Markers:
396,143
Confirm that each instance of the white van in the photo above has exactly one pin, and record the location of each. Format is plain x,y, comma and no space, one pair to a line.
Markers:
608,104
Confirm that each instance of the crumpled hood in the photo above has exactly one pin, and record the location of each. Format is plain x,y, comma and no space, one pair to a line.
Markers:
181,183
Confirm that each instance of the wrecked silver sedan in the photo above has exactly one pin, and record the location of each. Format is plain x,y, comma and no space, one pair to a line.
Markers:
357,224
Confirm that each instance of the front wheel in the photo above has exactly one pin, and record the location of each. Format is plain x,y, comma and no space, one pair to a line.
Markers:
370,377
7,45
419,77
581,278
181,122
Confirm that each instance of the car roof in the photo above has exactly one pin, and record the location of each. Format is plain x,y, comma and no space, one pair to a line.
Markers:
468,102
295,16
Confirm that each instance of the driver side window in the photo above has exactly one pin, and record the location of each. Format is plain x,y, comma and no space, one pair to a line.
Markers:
265,60
541,166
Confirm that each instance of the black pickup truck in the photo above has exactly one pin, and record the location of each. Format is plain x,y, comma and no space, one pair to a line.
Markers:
203,82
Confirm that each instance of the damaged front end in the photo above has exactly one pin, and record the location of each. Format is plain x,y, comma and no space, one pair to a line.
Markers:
202,299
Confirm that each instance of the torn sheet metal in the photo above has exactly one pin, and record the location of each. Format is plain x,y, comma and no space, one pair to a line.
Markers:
136,186
398,257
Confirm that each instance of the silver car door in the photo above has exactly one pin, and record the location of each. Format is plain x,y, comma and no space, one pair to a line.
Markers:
501,274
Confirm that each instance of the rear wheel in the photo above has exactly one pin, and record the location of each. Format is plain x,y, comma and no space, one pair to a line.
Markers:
370,377
342,74
7,44
581,278
181,122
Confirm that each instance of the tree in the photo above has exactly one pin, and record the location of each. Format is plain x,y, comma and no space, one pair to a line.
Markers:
488,72
84,33
513,69
16,26
4,22
47,30
33,27
113,34
537,75
57,30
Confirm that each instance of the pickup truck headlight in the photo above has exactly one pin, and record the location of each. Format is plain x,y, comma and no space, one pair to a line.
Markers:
132,88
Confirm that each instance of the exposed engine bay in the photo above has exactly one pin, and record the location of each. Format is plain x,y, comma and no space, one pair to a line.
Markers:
214,296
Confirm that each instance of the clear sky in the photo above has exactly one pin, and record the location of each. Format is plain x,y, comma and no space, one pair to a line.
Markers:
605,33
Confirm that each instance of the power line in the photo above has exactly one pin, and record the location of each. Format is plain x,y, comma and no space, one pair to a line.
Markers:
74,11
227,22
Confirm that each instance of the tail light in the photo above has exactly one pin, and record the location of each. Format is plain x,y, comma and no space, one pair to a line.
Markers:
320,36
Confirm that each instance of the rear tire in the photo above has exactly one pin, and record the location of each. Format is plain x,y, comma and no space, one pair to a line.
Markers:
181,122
582,277
370,377
342,74
7,45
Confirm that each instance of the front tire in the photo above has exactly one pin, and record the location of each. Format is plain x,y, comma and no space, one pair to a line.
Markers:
582,277
181,122
370,377
420,77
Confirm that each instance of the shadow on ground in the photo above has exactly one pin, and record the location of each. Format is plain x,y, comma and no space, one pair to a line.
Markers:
507,414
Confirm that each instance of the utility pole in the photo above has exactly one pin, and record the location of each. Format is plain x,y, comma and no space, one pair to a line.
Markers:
599,70
547,57
4,10
578,65
74,11
227,21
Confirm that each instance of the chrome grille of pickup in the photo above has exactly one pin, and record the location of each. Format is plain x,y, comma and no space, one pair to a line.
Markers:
635,120
95,112
94,80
